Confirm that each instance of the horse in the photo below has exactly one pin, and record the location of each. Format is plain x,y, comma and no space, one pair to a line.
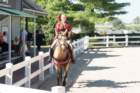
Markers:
61,59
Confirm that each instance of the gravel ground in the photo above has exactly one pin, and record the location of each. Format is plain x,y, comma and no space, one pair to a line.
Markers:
108,70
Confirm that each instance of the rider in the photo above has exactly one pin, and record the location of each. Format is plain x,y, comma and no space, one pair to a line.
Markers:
62,26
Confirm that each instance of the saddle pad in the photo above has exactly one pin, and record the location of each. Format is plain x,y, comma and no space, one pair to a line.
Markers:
60,62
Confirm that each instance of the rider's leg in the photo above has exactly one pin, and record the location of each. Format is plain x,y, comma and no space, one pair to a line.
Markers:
51,49
71,52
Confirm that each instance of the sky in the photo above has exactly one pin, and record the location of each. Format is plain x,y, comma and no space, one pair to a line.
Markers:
133,10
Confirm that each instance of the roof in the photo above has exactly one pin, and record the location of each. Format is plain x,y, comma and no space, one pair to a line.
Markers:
4,13
35,12
10,11
30,4
31,7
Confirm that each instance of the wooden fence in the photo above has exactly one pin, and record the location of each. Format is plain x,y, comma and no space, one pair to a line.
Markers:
79,46
113,41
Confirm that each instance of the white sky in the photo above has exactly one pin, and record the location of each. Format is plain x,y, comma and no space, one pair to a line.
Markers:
133,10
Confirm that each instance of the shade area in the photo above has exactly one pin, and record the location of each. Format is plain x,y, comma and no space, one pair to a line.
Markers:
9,11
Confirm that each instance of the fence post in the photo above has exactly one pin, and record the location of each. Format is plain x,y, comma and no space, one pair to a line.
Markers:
86,42
74,45
77,49
28,71
83,44
114,39
9,75
41,65
126,40
107,41
58,89
78,46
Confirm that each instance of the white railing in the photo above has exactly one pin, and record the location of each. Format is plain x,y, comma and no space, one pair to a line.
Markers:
10,68
15,89
79,46
107,40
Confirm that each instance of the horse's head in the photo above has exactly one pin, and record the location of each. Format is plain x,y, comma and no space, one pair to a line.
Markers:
61,49
62,39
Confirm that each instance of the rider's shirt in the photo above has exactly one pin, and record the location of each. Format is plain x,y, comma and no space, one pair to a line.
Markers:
62,27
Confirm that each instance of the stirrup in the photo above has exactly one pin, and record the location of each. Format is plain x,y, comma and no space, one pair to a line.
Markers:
50,59
72,61
50,54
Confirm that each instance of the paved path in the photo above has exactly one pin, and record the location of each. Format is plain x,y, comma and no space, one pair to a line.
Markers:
110,70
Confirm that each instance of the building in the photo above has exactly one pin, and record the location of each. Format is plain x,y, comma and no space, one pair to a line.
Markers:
23,8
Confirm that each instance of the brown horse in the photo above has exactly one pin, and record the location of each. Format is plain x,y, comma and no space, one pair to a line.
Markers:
61,59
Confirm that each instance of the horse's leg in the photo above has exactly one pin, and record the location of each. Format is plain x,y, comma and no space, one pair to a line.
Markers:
71,53
66,69
59,74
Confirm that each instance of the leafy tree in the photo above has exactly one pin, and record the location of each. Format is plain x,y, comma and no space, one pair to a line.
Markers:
136,20
118,24
98,11
84,12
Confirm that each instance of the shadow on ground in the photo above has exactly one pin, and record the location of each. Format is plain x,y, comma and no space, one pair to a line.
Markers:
94,68
97,53
106,83
83,60
81,65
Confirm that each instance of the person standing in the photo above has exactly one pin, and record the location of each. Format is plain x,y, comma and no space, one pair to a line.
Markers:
23,37
24,34
5,37
3,44
39,39
29,39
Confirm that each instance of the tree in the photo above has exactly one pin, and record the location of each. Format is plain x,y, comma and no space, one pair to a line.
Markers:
99,11
136,20
84,12
118,24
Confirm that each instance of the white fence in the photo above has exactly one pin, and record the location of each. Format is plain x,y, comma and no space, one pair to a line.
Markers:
79,46
13,89
8,71
107,40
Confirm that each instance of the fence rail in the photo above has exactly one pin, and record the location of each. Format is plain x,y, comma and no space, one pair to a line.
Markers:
14,89
106,41
79,46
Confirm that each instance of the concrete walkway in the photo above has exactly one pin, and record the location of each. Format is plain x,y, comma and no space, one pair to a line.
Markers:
110,70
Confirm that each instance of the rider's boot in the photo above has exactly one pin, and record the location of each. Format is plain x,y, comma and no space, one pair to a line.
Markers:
51,54
72,59
72,56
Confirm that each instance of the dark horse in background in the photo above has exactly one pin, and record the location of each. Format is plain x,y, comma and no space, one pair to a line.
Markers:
61,59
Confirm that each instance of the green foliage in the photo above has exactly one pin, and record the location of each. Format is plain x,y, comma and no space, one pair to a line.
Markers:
49,30
104,8
133,27
86,13
118,24
136,20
